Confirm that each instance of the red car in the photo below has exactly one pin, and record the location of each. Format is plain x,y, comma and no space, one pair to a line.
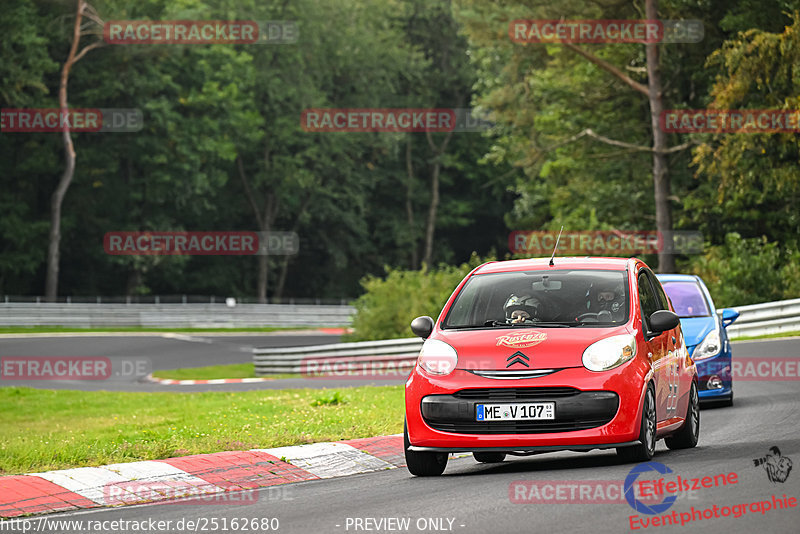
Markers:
539,355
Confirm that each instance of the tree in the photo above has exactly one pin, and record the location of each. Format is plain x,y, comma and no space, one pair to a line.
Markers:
751,180
23,72
53,250
525,63
347,57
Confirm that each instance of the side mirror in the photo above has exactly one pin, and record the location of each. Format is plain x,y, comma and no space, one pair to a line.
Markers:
422,326
729,315
663,320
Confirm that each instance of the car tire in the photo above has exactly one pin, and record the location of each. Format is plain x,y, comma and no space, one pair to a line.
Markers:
646,448
689,434
423,464
489,457
727,402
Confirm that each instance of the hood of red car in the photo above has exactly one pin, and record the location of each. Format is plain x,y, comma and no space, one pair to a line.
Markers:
519,349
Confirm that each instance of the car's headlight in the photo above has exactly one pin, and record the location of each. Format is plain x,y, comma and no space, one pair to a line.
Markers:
708,347
437,357
609,353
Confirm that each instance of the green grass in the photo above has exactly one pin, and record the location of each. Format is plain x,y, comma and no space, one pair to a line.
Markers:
58,429
212,372
67,329
768,336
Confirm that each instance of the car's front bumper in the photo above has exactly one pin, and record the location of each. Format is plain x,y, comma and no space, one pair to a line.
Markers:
574,410
719,366
602,412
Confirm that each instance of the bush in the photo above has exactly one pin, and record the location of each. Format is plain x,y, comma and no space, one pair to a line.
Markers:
748,271
389,304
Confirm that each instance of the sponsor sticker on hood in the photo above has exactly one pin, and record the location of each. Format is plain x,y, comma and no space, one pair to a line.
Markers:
521,339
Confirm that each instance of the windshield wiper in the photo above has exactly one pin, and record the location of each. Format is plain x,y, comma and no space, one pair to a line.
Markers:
595,323
503,324
526,325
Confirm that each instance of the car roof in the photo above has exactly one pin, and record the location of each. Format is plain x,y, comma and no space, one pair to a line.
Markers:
586,262
678,277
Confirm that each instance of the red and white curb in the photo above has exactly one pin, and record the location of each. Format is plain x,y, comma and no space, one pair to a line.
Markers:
196,477
173,382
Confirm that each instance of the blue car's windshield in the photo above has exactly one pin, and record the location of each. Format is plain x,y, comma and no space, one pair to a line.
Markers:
687,299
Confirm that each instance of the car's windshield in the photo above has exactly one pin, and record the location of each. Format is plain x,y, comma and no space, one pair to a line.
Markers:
555,298
687,299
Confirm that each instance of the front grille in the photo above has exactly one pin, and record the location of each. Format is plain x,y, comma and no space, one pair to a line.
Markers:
517,427
574,410
501,394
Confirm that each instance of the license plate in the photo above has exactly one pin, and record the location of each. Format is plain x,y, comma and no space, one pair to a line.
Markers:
516,411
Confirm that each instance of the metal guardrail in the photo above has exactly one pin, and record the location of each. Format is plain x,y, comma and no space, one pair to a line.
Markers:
767,318
363,356
220,315
754,320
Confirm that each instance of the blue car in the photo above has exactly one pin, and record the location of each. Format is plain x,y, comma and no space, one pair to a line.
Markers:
705,334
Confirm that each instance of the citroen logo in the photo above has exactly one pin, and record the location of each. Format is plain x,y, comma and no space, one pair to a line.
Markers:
517,357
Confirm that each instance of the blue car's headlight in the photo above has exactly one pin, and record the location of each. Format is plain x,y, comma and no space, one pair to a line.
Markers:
709,347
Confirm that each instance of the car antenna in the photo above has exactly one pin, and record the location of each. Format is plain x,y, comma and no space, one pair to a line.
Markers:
556,247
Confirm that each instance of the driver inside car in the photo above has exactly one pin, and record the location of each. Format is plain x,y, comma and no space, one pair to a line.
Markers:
607,300
519,310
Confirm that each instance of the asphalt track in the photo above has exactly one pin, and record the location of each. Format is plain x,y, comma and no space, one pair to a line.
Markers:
170,351
477,499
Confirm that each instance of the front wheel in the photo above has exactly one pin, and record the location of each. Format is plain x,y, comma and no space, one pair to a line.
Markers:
646,448
423,464
687,436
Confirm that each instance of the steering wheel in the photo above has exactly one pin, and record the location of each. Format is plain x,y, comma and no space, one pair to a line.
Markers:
588,317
